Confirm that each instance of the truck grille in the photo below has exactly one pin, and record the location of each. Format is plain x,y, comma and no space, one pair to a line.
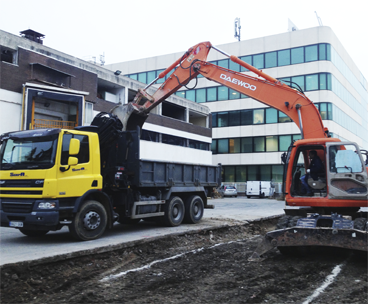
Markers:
17,207
21,192
22,183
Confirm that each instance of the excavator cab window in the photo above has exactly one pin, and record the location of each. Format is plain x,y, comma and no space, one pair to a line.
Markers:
301,164
346,174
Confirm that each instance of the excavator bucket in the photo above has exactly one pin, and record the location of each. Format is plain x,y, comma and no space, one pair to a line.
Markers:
130,116
340,234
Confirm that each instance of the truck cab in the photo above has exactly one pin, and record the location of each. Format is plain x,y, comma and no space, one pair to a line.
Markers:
42,174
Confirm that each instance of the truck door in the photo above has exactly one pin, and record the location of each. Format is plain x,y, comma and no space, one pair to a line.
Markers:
346,172
77,179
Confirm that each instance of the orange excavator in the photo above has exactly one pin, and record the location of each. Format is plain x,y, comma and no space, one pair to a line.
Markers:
330,214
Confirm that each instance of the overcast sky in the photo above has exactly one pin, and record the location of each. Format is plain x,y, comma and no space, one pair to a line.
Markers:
132,29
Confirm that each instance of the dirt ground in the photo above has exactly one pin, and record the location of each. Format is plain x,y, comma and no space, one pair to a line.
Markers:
207,267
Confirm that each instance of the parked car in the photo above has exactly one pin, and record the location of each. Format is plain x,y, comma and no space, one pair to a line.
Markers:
228,190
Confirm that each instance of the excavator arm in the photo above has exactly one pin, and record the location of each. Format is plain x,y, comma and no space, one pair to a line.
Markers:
265,89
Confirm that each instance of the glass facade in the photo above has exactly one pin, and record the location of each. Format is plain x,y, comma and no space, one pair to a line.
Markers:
257,116
174,140
311,82
244,173
321,51
270,143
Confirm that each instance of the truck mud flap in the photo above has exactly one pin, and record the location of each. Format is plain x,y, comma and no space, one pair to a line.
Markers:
299,236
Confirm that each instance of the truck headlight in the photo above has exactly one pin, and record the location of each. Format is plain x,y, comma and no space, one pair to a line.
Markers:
47,205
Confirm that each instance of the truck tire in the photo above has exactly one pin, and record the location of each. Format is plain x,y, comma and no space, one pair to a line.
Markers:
33,233
90,221
194,209
174,212
360,223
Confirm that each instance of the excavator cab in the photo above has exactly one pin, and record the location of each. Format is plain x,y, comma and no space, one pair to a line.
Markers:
301,163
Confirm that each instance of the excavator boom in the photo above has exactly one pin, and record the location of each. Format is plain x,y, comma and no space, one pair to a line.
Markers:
266,90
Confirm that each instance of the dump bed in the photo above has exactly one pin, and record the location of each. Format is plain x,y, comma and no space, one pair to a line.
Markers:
167,174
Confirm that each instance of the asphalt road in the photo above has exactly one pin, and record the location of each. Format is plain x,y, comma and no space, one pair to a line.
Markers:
15,247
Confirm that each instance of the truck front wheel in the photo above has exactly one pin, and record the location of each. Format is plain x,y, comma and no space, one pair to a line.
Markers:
193,209
174,212
90,221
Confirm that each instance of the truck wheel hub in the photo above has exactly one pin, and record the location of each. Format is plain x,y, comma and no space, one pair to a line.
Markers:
92,220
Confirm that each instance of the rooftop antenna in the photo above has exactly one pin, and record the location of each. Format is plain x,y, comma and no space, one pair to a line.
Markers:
319,19
102,58
237,28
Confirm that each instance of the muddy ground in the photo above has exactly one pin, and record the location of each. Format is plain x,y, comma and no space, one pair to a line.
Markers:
206,267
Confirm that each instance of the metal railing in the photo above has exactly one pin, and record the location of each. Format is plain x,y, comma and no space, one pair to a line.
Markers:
53,124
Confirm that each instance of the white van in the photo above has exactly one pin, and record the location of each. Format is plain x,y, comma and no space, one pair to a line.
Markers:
260,189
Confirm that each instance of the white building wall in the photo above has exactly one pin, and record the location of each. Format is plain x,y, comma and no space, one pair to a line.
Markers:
10,111
163,152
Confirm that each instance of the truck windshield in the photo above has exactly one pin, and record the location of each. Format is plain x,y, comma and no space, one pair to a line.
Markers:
28,153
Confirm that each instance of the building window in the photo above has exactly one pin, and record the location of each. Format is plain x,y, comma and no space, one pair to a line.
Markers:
311,53
173,140
234,66
247,145
234,118
240,174
142,77
234,145
151,76
246,117
222,146
311,82
212,94
265,173
229,174
259,144
160,80
190,95
150,136
270,60
297,55
283,117
223,93
223,119
214,120
200,95
258,61
234,94
299,80
223,63
258,116
283,57
271,115
284,142
247,59
272,144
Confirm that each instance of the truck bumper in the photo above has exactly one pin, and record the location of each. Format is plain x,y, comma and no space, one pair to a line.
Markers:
33,219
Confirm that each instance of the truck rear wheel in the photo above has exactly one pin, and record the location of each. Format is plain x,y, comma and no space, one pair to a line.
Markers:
33,233
194,208
174,212
90,221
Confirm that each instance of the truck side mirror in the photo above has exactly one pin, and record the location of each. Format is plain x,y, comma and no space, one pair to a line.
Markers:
74,147
72,161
